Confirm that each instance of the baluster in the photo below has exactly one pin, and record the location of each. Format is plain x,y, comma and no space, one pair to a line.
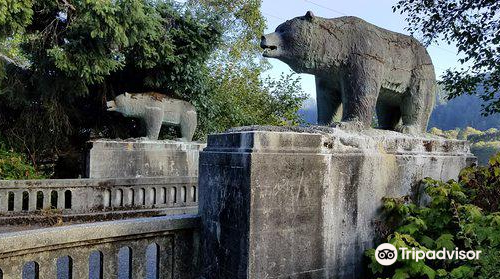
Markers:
149,196
60,199
46,199
166,257
4,200
128,197
138,259
32,201
18,200
110,262
80,264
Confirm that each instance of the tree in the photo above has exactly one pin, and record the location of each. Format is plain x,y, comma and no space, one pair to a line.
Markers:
64,58
474,26
80,53
239,95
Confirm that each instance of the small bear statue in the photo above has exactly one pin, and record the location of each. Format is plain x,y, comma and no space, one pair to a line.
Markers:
154,110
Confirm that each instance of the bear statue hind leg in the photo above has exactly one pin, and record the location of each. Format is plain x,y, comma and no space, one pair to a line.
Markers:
417,106
188,125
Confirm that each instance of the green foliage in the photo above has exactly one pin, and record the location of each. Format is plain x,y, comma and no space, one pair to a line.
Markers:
75,55
489,135
14,16
473,26
485,150
237,101
464,134
60,61
436,131
243,23
450,134
15,165
484,144
238,94
463,214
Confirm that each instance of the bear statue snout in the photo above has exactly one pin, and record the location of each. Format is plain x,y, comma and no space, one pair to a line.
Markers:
111,106
270,44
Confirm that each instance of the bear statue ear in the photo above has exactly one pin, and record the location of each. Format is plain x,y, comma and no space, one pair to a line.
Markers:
309,15
127,94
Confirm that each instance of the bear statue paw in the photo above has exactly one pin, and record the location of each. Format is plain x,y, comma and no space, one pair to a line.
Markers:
408,129
349,125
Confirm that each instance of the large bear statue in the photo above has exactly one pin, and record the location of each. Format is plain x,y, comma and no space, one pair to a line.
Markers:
154,110
359,68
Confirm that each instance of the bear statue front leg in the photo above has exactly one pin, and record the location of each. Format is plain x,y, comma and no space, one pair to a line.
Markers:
328,101
361,87
153,119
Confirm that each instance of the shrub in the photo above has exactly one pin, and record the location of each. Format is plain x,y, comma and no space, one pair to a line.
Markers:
450,134
465,133
489,135
14,165
485,150
461,214
436,131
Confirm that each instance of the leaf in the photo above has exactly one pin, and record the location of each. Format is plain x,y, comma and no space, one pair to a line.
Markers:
427,242
462,272
431,274
445,241
441,272
400,274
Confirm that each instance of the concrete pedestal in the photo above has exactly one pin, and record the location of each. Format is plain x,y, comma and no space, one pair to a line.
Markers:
283,204
142,158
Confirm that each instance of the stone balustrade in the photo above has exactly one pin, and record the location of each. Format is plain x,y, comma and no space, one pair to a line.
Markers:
156,247
90,195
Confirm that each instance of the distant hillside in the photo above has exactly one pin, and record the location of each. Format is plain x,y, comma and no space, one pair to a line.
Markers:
461,112
308,111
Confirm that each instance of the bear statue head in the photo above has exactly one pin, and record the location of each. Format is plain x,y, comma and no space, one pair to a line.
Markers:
292,42
120,103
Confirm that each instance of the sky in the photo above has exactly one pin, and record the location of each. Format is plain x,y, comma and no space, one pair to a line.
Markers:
378,12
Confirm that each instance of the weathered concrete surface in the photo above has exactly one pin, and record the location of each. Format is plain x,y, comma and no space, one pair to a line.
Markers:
83,196
282,204
359,67
141,158
160,247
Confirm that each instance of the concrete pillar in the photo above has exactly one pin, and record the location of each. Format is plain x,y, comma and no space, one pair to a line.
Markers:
283,204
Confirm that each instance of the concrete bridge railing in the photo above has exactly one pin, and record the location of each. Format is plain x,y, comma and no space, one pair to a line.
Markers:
156,247
88,195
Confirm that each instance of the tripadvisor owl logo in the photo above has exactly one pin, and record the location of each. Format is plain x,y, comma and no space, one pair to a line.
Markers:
386,254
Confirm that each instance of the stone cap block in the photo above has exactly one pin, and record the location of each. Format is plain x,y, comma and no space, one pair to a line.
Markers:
315,139
144,144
